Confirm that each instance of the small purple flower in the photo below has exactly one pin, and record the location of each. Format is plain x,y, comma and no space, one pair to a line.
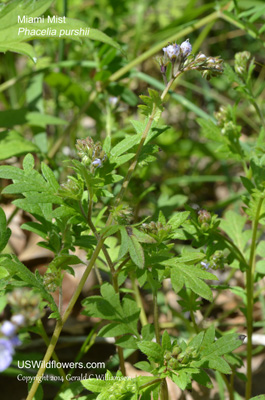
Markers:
113,101
172,51
97,162
205,265
6,353
186,48
8,329
18,319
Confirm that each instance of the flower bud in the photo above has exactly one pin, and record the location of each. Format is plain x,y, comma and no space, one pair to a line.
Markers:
204,217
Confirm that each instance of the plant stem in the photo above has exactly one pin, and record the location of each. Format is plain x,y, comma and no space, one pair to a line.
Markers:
163,390
60,306
194,321
156,321
54,355
138,299
250,288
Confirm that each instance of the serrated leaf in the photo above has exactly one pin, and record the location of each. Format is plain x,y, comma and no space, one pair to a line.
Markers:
15,267
180,379
113,329
36,228
192,277
233,226
166,342
125,145
96,385
153,351
225,344
124,247
176,220
49,176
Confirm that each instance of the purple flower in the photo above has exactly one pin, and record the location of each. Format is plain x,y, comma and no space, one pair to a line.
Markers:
97,162
205,265
172,51
8,329
186,48
6,353
18,319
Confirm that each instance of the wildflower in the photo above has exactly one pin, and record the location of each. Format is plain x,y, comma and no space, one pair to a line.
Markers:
8,329
18,319
113,101
6,353
172,51
97,162
186,48
205,265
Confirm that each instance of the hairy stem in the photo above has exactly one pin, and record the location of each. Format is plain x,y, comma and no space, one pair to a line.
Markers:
54,355
250,289
156,321
138,299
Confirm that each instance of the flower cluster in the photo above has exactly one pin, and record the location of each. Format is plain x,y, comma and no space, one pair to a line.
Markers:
123,214
204,219
177,358
241,63
25,307
91,153
181,59
157,230
216,261
225,119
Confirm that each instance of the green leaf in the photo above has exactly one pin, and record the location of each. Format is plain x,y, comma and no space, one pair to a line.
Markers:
166,342
125,145
13,144
225,344
177,219
49,176
181,379
96,385
233,226
15,267
5,232
124,247
65,260
136,252
153,351
219,364
3,273
113,329
36,228
14,32
192,277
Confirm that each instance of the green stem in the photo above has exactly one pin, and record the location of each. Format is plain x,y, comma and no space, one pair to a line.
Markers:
194,321
250,288
156,321
138,299
163,390
229,387
258,110
54,355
